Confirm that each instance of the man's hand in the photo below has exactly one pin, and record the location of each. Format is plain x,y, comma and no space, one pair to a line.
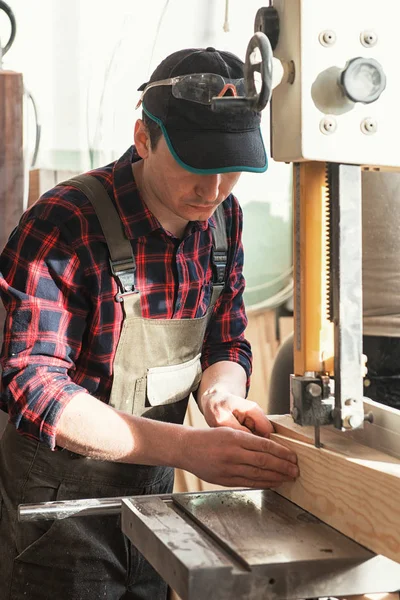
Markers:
220,455
238,459
223,409
236,452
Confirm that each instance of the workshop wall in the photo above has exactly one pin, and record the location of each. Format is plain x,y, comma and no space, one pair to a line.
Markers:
84,60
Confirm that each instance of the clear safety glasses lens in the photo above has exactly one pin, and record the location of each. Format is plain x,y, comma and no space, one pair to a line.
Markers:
203,87
199,87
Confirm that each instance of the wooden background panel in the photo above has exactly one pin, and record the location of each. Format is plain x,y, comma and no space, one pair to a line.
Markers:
11,152
11,159
265,332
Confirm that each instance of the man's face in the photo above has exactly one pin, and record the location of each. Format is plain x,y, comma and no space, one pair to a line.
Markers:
187,195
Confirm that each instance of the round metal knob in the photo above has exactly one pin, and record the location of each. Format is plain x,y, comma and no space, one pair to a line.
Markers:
363,80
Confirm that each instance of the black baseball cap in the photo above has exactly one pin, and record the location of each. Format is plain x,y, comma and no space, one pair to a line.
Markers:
200,139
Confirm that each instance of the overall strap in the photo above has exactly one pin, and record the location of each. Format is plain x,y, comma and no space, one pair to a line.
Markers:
219,253
122,260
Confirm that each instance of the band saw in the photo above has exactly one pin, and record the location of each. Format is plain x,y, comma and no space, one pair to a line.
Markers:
331,69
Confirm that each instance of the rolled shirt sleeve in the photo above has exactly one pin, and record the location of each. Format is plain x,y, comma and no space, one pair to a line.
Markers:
225,337
41,285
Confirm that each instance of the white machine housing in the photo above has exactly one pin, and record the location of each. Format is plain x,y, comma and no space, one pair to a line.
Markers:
312,119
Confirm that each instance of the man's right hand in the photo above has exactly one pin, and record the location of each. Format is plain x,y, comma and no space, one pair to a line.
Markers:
235,458
221,455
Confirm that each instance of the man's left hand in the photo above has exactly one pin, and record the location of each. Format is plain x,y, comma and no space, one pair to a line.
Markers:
227,410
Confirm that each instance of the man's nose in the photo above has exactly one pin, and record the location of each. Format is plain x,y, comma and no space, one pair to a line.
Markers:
208,187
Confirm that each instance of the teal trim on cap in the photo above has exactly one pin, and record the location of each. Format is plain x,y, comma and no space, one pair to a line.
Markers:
205,171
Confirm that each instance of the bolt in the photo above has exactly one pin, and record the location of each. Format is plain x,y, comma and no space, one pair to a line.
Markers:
369,126
328,125
350,401
314,390
353,421
369,39
369,417
327,38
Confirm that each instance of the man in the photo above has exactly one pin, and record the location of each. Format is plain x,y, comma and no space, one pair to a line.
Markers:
123,290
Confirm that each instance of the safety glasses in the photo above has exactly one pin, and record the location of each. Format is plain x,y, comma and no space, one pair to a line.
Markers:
199,87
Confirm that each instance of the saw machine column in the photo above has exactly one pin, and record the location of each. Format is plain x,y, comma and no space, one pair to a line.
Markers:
327,296
311,398
339,108
346,293
313,340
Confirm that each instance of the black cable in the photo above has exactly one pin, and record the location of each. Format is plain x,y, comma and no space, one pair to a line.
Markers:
10,15
160,21
38,128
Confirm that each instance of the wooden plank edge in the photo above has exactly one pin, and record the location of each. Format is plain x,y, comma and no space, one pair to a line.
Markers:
356,499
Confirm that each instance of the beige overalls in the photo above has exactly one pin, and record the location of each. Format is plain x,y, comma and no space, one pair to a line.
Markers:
157,363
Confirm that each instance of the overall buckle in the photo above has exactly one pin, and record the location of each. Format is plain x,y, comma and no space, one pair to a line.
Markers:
124,272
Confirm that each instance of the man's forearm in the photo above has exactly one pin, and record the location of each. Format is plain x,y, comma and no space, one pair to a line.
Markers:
92,428
223,376
220,454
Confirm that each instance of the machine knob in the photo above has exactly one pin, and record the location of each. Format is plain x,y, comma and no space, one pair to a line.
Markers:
363,80
267,21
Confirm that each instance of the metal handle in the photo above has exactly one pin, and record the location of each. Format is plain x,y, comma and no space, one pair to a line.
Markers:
261,99
10,15
253,100
49,511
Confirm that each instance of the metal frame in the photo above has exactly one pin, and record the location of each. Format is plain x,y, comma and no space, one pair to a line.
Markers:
383,433
273,550
248,544
346,290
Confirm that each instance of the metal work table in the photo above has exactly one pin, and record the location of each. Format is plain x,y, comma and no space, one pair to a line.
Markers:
245,544
250,545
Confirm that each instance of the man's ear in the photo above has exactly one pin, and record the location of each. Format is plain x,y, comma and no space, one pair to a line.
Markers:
141,138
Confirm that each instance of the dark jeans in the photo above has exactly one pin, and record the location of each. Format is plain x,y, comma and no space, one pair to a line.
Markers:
382,383
83,558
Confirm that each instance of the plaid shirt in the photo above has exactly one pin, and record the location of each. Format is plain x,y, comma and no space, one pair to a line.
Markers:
63,323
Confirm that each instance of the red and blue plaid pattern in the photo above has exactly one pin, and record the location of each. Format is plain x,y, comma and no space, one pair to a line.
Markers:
63,323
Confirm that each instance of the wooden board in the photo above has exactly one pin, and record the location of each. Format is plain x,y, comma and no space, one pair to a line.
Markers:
350,487
331,439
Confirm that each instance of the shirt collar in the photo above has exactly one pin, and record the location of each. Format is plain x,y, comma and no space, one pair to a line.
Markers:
137,219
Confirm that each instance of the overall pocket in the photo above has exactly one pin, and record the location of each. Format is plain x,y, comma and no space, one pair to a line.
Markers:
166,385
39,488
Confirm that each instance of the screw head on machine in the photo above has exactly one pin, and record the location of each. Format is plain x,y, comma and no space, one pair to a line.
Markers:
327,38
328,125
